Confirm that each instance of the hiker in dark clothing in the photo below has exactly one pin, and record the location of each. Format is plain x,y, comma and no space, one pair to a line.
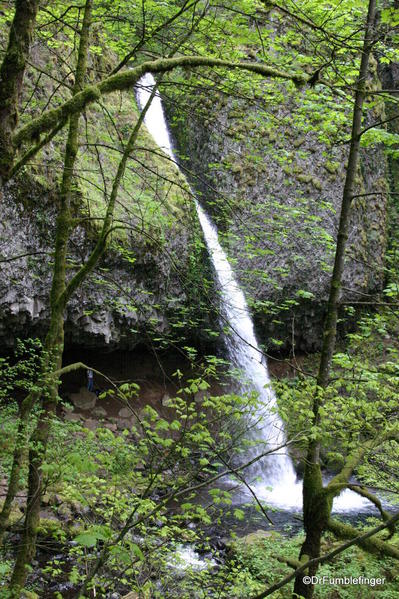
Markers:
90,380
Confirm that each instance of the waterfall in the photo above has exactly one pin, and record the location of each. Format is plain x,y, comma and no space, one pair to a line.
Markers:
279,485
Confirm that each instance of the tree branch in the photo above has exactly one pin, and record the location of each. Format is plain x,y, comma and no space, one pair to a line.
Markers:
127,79
361,540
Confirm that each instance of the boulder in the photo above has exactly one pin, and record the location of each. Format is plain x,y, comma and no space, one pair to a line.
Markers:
99,412
255,537
91,424
165,401
125,413
111,426
84,400
71,417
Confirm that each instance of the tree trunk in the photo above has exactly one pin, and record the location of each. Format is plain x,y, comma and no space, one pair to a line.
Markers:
11,77
20,449
317,503
54,343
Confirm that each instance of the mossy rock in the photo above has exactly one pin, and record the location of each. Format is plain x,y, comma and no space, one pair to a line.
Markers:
304,178
237,169
331,167
298,142
317,184
254,538
50,527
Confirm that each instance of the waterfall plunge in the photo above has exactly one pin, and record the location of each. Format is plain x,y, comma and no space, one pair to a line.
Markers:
280,486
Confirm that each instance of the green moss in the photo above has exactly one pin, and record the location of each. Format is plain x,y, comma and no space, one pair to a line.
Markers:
267,557
153,191
272,136
235,114
49,527
304,178
317,184
288,170
298,142
237,169
331,167
16,514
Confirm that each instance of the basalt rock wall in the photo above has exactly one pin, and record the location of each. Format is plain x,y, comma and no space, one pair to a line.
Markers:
271,168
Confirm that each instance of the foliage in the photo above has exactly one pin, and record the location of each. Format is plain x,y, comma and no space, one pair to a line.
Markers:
139,494
131,501
264,558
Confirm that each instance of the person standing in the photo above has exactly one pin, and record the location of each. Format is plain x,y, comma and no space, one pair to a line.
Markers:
90,380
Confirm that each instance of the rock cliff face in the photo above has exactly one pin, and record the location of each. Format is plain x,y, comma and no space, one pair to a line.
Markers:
271,168
142,290
147,289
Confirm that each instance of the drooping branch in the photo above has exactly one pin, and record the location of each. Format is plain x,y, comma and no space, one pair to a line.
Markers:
360,490
127,79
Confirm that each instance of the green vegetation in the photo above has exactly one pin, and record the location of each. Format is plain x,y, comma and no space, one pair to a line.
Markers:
286,133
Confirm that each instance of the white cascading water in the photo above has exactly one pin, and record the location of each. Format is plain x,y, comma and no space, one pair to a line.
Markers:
280,486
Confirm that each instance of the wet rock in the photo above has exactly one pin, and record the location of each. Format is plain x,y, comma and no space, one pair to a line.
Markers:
125,412
79,509
71,417
84,400
93,320
293,258
111,426
99,412
123,423
200,396
65,512
153,394
220,545
47,515
91,424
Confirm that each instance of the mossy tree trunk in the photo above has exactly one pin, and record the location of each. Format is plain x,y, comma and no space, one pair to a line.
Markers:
20,449
317,501
11,76
54,343
60,294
